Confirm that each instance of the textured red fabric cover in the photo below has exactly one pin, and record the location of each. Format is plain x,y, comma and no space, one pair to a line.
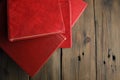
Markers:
65,8
77,8
34,18
31,54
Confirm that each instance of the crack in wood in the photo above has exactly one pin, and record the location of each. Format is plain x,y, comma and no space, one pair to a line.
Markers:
104,62
79,58
113,57
83,53
109,53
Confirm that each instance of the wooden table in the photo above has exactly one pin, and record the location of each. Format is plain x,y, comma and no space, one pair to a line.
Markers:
95,54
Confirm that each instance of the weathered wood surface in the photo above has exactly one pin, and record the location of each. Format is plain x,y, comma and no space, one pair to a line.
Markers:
107,20
95,54
78,63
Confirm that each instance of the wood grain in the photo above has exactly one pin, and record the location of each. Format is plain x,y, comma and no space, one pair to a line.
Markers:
78,63
107,19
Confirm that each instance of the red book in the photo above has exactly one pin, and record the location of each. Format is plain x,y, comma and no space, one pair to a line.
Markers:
77,8
33,18
31,54
71,11
65,8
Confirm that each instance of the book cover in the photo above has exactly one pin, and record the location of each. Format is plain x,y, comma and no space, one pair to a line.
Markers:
71,11
31,54
33,18
65,8
77,8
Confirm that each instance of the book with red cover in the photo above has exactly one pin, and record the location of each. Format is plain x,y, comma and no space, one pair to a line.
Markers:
77,8
71,11
33,18
65,8
31,54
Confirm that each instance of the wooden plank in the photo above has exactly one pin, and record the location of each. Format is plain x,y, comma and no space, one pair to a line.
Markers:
51,70
107,18
9,70
78,62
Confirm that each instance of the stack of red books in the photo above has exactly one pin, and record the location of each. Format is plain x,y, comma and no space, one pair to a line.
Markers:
31,30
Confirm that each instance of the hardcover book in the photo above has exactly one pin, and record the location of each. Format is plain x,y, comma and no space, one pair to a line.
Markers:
33,18
65,8
31,54
77,8
71,11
